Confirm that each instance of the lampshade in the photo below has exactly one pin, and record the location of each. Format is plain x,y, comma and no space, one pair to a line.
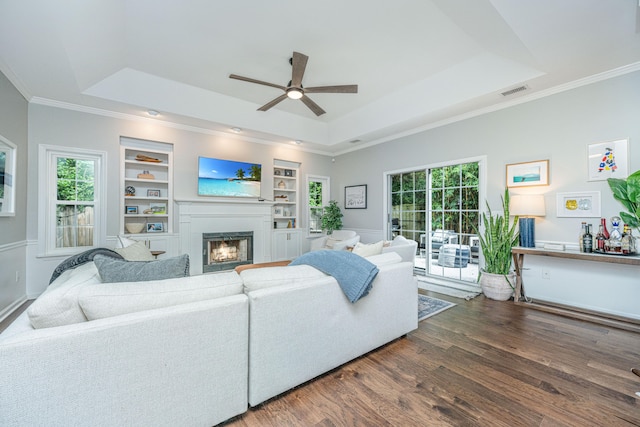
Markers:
527,205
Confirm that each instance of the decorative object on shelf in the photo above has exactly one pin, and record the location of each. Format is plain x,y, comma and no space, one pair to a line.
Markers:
608,160
281,184
143,158
158,208
131,210
355,197
155,227
528,174
496,279
288,172
146,175
281,198
331,218
130,190
134,227
585,204
147,211
153,193
527,206
627,192
277,172
277,211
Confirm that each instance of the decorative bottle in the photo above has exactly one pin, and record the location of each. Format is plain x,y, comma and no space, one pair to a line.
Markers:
615,237
587,240
600,239
627,242
605,232
583,230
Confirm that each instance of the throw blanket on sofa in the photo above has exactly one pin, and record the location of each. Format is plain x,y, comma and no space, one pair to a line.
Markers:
353,273
81,258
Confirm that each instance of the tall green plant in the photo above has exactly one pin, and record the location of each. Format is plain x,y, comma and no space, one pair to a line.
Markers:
331,217
499,236
627,192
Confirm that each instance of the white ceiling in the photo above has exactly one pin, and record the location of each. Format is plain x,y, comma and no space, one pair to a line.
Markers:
416,62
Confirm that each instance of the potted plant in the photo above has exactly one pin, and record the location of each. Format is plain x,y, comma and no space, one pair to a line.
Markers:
331,218
627,192
500,235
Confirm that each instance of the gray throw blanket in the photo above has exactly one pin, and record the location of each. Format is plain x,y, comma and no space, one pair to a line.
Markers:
81,258
353,273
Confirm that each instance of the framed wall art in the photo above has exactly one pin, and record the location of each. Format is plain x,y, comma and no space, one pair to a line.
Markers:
355,197
608,160
584,204
528,174
153,193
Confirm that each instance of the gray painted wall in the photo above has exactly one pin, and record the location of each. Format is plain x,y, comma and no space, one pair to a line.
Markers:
13,126
558,128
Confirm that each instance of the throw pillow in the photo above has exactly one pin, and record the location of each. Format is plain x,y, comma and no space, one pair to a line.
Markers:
135,252
365,250
112,270
58,305
124,242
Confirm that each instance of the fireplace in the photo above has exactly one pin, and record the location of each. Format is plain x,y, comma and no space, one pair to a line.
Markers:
225,251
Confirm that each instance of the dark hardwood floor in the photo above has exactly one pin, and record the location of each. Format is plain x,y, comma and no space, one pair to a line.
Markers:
481,363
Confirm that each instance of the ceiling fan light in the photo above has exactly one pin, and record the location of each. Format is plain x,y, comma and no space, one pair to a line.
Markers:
294,93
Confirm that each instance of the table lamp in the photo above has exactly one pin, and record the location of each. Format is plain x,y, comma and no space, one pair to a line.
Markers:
527,206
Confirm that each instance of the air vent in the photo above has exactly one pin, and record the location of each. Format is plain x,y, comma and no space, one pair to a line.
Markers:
515,90
355,141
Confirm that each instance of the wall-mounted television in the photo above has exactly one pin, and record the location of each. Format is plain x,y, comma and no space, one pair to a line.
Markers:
228,178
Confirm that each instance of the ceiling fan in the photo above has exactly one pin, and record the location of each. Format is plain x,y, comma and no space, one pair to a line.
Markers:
295,90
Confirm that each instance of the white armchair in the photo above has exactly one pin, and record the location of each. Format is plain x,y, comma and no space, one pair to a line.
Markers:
338,240
404,247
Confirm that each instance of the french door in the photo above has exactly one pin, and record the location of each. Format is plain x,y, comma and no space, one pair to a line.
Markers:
438,207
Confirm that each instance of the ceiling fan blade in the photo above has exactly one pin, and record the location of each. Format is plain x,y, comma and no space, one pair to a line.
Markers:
312,105
299,63
332,89
260,82
270,104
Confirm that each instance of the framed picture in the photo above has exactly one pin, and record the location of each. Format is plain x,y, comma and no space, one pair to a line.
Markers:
355,197
153,193
288,172
277,211
528,174
155,227
584,204
131,210
608,160
158,208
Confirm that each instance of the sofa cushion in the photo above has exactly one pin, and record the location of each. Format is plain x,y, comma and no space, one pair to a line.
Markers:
259,278
385,258
136,251
366,250
114,299
58,305
112,270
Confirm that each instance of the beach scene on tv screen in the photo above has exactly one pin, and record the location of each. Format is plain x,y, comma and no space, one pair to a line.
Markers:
217,177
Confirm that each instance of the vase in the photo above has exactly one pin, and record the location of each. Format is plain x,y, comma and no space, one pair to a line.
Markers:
497,286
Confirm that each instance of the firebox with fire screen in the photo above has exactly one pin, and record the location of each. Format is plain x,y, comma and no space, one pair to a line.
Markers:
226,251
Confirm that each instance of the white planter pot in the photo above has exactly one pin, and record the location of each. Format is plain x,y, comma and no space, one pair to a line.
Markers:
496,286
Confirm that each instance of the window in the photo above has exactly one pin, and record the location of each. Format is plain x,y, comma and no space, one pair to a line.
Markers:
318,187
72,216
438,207
7,171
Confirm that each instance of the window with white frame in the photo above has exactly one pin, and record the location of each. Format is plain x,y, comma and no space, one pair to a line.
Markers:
318,191
71,189
7,171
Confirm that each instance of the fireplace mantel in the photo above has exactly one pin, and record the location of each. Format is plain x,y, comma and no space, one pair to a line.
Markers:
198,216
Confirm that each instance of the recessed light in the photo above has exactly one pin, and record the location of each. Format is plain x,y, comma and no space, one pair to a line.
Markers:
236,130
298,142
152,113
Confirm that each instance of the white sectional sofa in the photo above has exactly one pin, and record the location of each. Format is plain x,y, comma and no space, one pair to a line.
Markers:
199,362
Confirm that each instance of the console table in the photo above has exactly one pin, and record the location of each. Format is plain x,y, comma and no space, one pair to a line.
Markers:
518,254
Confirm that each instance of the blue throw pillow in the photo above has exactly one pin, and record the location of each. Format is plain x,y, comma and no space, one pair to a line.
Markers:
115,270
